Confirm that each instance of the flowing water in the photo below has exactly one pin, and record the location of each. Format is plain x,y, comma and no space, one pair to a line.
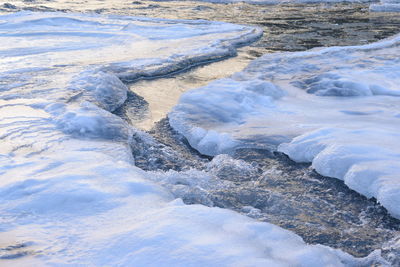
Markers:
321,210
264,185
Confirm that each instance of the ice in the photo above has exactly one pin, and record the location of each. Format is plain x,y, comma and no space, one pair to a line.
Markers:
273,2
102,88
386,6
90,121
227,102
335,107
101,6
70,193
81,206
367,160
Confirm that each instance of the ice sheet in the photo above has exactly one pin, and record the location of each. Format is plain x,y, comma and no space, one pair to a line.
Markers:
335,107
69,191
386,6
274,2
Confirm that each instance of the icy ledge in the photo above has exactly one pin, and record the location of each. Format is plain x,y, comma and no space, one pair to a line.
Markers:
275,2
386,6
335,107
69,192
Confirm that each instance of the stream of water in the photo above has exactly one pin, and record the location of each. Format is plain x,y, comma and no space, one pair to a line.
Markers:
321,210
261,184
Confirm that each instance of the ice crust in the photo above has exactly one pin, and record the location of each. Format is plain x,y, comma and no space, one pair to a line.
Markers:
335,107
69,191
386,6
274,2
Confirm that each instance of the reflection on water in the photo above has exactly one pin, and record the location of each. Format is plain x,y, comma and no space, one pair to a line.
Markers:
162,94
321,210
272,188
286,28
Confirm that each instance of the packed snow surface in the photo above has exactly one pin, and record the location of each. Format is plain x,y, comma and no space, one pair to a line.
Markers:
336,107
69,191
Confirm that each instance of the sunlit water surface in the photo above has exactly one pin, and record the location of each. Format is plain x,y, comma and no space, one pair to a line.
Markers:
321,210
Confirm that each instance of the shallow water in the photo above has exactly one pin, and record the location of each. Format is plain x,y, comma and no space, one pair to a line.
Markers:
163,93
286,28
270,187
273,189
321,210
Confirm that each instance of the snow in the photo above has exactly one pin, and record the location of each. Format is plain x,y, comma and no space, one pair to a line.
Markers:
70,193
335,107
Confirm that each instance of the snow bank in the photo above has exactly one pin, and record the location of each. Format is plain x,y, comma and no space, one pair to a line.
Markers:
335,107
69,191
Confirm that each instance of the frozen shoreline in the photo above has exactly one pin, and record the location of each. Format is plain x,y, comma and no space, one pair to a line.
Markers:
275,2
273,103
386,6
70,192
